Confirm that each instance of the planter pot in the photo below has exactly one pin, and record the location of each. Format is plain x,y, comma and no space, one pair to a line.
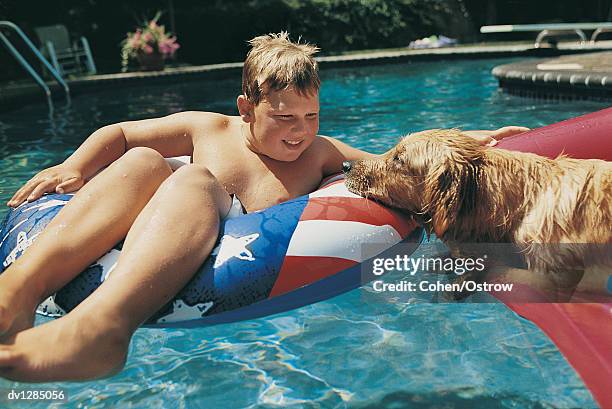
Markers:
150,62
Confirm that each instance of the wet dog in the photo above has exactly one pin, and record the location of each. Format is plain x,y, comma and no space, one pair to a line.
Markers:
558,212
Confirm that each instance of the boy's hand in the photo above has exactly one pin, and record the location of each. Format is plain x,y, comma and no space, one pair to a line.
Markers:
490,138
59,179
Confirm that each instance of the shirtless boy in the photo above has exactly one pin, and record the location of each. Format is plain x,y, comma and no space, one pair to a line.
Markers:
267,155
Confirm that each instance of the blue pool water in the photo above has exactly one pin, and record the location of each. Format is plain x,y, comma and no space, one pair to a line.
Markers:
356,350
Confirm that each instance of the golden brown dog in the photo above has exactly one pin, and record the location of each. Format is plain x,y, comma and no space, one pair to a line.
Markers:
556,210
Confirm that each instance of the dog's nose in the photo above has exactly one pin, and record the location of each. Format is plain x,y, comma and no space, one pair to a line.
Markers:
346,166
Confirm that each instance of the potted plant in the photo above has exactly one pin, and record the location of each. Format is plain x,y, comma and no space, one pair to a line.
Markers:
150,45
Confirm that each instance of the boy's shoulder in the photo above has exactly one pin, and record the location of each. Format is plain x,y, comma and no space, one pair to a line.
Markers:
333,152
205,119
322,147
337,148
204,124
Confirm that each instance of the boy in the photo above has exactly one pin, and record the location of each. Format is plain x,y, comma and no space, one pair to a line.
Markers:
268,154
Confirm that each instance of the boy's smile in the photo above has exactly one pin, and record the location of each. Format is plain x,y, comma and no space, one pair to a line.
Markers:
283,125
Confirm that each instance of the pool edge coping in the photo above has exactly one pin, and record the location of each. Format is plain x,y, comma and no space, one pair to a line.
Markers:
13,94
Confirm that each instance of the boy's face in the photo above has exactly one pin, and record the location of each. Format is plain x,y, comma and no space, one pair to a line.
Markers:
283,124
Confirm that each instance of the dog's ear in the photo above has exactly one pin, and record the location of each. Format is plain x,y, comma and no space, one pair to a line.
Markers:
451,188
441,200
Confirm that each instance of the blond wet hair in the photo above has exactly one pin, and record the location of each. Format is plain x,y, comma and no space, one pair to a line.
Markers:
276,62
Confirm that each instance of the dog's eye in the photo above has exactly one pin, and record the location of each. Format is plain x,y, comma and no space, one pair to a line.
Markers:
397,158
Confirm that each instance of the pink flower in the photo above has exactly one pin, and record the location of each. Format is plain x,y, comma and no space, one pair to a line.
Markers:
168,46
164,49
147,38
147,49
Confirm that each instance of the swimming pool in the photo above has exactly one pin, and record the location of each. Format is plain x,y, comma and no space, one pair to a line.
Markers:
356,350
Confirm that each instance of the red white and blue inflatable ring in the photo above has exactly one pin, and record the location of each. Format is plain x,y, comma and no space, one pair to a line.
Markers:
290,255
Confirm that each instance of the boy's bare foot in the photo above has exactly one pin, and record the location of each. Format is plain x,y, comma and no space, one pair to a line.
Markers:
13,320
17,306
66,349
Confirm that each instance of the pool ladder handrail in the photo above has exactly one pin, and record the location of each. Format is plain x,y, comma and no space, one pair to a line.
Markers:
26,65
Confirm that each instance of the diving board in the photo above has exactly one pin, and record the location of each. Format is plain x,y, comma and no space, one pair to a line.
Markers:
547,30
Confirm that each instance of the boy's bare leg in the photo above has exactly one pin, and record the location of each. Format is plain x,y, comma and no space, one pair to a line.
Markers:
95,219
169,240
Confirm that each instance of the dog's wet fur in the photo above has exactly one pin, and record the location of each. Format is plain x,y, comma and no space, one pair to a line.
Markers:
553,209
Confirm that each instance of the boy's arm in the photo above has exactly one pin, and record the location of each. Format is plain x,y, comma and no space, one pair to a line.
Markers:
171,135
338,152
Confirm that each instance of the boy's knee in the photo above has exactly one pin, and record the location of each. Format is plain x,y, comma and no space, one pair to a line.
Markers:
196,174
197,178
201,181
147,160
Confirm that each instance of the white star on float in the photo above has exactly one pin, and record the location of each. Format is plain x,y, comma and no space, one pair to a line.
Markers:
23,242
185,312
234,247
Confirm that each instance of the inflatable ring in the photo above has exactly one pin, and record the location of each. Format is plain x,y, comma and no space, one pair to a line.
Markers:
290,255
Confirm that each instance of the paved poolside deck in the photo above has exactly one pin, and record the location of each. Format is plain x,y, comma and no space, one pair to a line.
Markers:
12,94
